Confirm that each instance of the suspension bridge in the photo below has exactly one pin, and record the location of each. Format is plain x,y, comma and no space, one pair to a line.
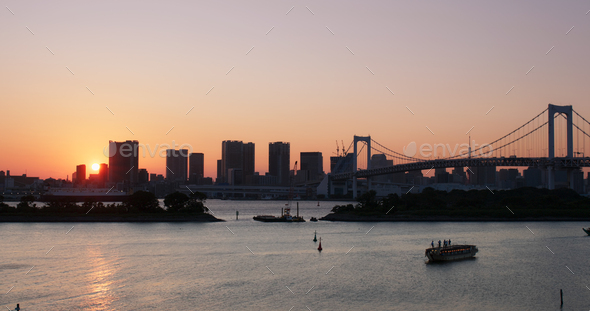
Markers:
554,139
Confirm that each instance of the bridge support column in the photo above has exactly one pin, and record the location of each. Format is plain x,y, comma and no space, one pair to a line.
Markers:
550,178
567,111
356,139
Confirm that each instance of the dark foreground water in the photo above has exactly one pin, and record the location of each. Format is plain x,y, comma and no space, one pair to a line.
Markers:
248,265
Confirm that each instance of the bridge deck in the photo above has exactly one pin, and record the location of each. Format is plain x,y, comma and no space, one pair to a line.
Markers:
469,162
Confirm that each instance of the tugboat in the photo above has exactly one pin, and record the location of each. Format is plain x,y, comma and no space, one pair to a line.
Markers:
285,217
448,253
285,212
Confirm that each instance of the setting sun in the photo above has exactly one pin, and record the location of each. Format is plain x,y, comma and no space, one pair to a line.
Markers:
95,166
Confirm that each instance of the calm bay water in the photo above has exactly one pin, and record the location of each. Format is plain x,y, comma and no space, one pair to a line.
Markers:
248,265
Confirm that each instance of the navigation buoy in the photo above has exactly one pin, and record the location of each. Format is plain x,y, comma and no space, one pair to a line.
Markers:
315,239
320,247
318,203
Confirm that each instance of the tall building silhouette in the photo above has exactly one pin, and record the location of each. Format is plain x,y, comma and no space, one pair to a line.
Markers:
279,161
248,168
103,174
378,161
196,167
237,161
123,161
312,164
176,164
143,176
219,178
80,174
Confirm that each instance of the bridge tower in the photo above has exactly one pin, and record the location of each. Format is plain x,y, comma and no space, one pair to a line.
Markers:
567,111
367,140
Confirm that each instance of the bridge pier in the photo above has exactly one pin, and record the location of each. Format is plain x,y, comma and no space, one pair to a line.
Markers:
550,178
356,139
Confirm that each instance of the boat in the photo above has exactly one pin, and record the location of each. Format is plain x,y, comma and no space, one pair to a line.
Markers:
587,230
315,239
320,247
448,253
285,217
313,219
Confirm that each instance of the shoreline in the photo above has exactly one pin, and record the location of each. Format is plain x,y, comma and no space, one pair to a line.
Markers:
408,218
109,218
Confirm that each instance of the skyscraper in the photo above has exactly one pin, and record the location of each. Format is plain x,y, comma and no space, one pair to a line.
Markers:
196,167
248,159
143,176
80,174
219,178
279,161
378,161
123,161
313,163
176,164
103,174
237,156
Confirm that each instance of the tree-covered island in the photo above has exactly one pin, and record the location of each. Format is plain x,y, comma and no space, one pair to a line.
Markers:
474,205
141,206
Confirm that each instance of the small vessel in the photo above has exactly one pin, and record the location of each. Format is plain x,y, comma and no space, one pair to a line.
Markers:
587,230
285,217
448,253
320,247
315,239
313,219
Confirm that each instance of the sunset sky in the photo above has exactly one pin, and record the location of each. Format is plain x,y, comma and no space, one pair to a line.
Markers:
150,62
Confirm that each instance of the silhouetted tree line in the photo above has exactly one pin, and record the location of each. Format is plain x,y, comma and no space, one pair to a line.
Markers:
524,202
140,202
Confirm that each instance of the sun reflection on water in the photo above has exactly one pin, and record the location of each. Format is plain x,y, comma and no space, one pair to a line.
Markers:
99,280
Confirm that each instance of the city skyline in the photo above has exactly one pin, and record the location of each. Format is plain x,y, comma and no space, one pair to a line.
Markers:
79,83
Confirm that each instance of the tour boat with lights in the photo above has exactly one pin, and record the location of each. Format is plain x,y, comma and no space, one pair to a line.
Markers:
448,253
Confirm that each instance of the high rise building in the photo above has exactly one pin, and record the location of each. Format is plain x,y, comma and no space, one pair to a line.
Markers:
313,163
248,159
176,164
80,174
142,176
379,161
196,167
279,161
231,157
219,178
341,164
482,175
123,161
239,157
103,174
